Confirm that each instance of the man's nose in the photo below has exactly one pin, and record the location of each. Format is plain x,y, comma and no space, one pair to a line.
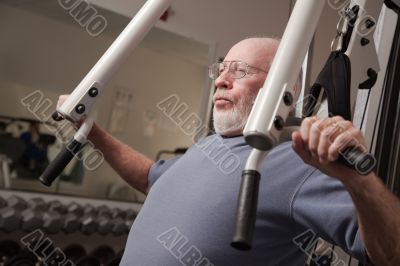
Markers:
224,80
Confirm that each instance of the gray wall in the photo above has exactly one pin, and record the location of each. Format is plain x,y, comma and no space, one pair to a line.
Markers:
40,53
52,53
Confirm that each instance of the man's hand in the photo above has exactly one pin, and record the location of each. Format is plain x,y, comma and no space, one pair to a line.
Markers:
320,141
61,99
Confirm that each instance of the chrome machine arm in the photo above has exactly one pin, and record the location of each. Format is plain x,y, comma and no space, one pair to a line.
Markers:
278,95
79,104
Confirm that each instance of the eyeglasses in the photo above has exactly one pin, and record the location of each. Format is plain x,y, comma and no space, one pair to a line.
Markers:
237,69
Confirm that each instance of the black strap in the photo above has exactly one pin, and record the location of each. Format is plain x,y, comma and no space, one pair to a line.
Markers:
335,80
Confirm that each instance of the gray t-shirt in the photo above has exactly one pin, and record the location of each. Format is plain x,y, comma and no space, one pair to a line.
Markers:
188,216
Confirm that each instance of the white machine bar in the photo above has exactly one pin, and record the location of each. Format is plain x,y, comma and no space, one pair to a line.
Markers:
270,110
82,98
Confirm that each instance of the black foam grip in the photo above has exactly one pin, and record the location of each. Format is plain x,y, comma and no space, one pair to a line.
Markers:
246,210
55,168
57,116
364,163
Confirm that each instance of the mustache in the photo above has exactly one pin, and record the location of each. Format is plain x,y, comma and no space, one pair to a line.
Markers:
222,95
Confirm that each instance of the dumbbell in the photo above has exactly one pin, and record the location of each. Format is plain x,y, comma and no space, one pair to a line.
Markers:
3,202
8,249
72,222
130,217
10,216
74,252
56,206
88,261
103,253
119,226
89,223
110,221
104,219
53,218
116,261
118,213
22,258
61,217
32,217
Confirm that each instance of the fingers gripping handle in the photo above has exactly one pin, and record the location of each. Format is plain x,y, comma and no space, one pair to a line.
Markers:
57,116
246,210
60,162
358,160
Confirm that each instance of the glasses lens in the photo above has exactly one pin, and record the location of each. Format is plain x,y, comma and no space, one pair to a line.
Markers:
215,70
237,69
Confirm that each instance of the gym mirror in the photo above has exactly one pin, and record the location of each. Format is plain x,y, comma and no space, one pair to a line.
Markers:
45,51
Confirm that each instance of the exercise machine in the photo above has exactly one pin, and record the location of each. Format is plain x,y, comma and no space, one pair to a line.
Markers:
353,51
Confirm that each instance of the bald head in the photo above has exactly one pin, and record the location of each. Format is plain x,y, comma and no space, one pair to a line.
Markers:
258,52
235,96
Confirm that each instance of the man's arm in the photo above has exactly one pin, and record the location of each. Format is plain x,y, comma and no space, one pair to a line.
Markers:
318,143
378,213
131,165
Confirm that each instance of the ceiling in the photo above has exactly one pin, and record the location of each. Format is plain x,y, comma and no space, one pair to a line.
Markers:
158,39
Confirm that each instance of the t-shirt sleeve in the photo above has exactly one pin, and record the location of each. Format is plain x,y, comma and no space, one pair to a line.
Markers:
322,204
159,167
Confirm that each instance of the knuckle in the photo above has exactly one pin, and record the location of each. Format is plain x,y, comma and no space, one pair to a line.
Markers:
358,132
347,124
338,118
313,148
344,139
316,126
323,149
362,148
326,132
355,132
307,120
323,153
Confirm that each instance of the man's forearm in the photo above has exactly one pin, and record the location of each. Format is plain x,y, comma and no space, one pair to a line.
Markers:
131,165
318,143
379,218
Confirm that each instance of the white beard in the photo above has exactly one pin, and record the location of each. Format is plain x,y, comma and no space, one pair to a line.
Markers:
234,120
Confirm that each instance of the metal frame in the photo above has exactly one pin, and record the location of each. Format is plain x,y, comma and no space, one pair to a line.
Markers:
274,101
388,144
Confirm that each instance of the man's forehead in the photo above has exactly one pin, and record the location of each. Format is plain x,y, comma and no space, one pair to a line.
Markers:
238,54
250,58
256,52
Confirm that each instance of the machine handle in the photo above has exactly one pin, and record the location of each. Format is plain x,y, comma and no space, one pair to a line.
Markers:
55,168
246,210
358,160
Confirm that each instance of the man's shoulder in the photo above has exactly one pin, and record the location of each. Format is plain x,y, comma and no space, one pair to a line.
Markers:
283,161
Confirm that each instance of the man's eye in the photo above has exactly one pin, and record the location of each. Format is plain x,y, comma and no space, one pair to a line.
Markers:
237,67
221,69
240,70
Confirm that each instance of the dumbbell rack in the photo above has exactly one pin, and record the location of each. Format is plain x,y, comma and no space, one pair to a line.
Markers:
102,224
